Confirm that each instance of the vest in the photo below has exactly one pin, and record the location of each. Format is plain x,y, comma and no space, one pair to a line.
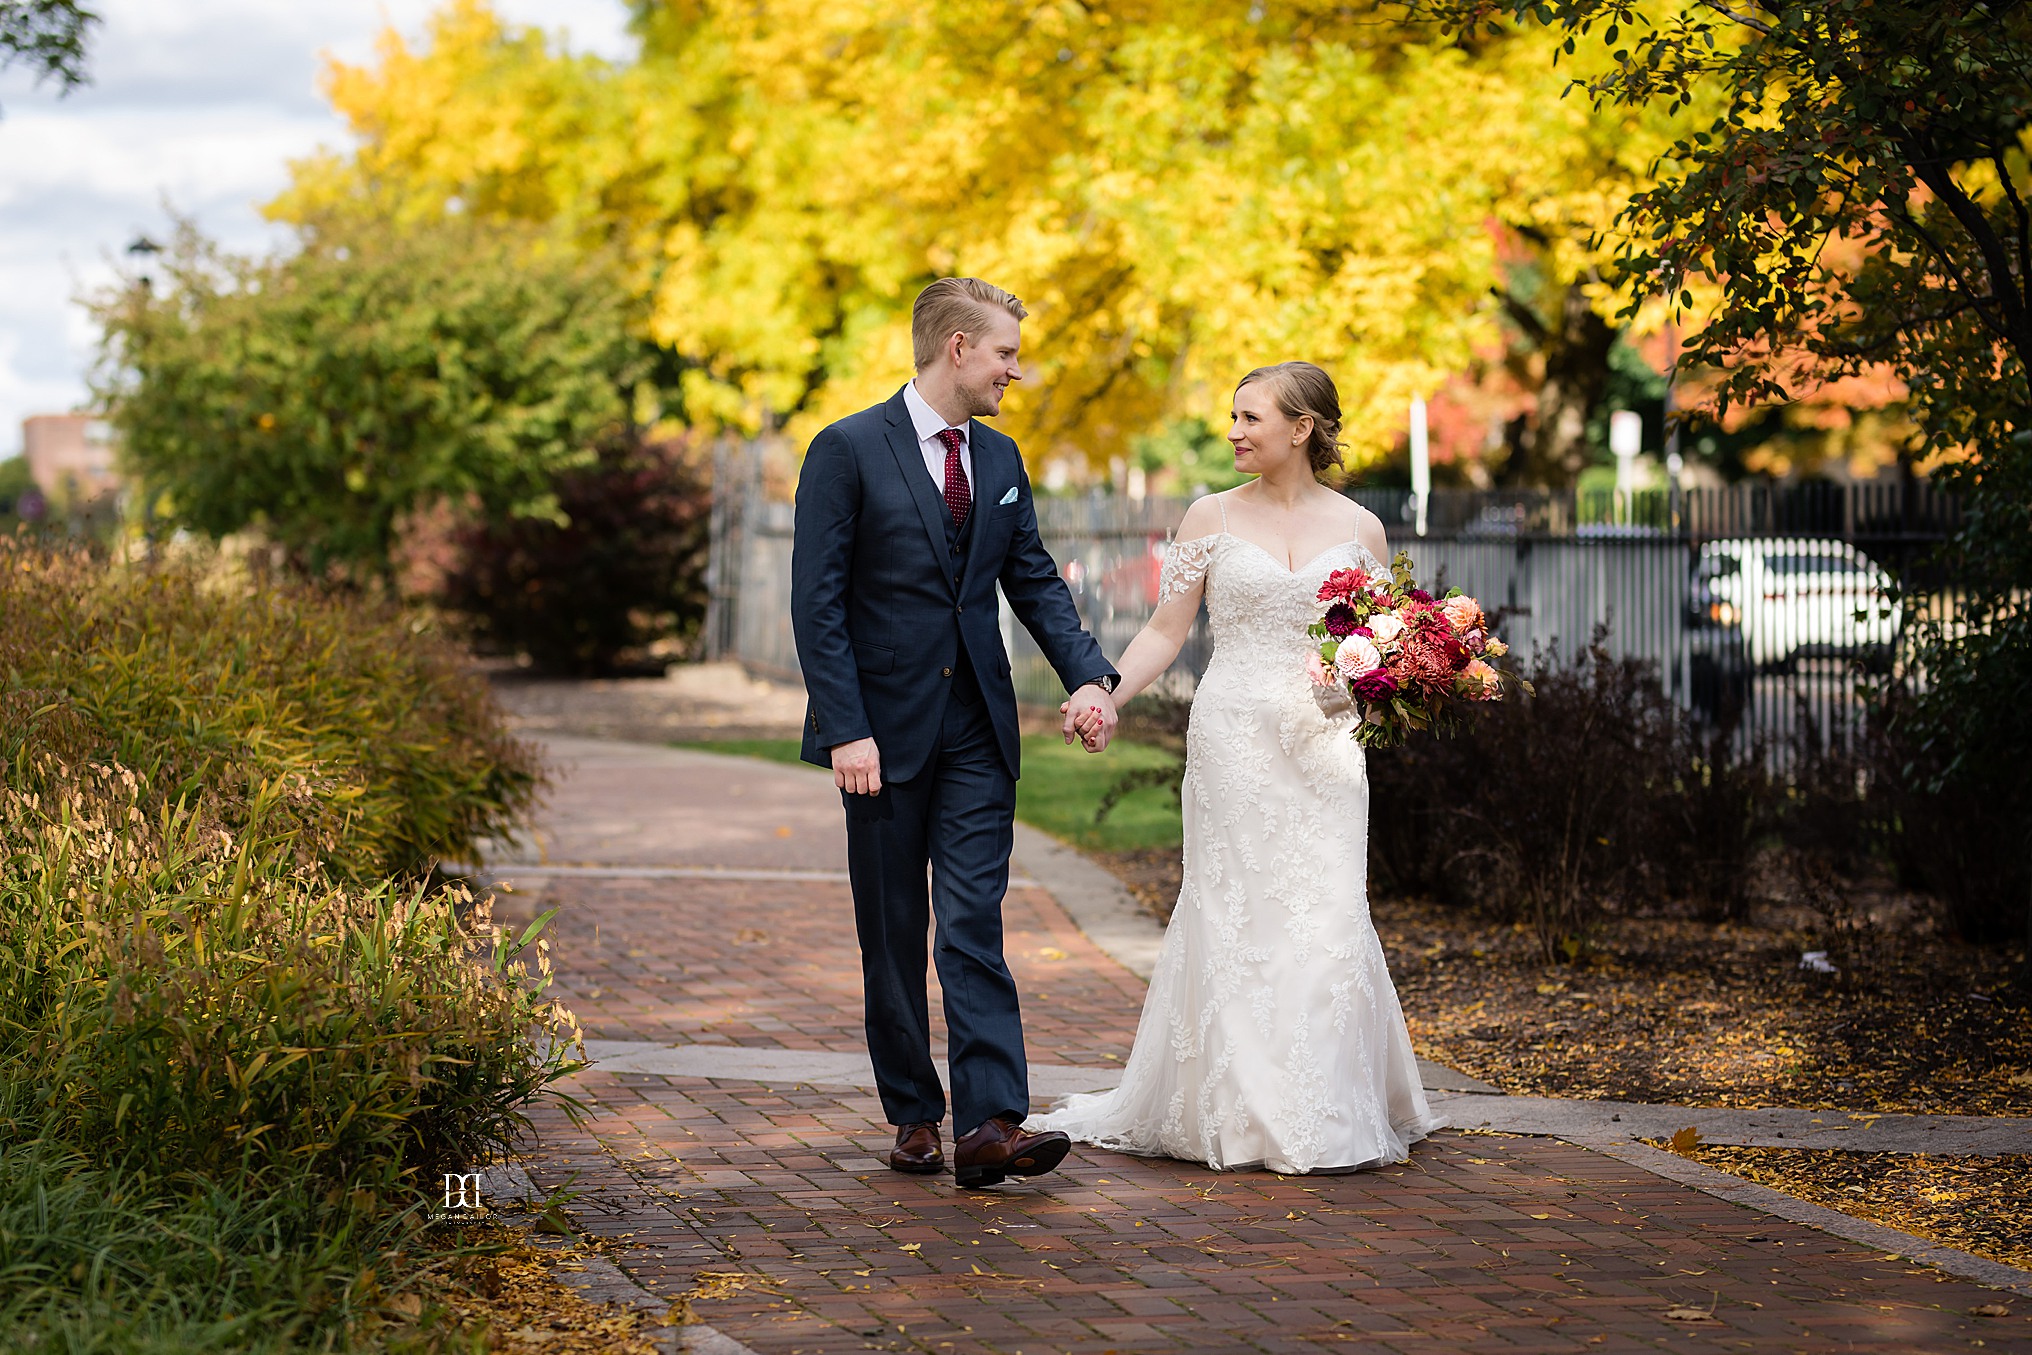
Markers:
966,686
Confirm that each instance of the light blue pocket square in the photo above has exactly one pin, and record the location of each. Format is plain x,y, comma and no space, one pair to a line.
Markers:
1010,497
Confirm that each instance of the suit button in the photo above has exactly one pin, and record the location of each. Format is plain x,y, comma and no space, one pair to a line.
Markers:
962,607
945,672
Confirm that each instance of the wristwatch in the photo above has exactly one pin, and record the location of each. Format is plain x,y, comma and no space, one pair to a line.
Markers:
1107,683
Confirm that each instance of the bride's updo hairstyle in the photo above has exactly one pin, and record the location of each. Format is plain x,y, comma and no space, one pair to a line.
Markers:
1301,389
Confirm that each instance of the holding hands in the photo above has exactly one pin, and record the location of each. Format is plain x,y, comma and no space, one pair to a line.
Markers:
1090,715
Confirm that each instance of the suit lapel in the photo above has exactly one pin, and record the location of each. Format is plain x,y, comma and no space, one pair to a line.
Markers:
910,464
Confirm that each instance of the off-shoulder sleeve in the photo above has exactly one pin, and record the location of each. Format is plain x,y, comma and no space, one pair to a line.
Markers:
1185,567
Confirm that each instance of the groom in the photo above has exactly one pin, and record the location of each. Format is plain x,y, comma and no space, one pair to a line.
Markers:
908,515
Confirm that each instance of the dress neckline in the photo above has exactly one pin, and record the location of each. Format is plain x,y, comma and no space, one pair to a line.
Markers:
1294,573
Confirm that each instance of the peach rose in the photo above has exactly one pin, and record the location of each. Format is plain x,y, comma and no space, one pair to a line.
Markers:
1315,668
1463,613
1386,630
1356,656
1495,648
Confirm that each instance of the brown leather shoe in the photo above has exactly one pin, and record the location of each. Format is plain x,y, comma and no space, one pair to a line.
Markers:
1000,1149
917,1150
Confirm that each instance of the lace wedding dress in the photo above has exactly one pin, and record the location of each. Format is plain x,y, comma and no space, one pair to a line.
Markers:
1271,1035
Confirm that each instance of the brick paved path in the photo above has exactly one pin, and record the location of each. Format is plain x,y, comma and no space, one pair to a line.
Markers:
1481,1242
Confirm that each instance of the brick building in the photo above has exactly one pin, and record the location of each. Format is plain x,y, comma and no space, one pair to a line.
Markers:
70,455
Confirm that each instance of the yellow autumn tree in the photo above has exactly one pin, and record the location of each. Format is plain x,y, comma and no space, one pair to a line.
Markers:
1178,191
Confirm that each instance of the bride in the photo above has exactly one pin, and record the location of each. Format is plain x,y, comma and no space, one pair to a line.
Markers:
1271,1035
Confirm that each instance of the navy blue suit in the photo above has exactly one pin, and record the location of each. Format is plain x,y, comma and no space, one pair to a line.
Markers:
899,636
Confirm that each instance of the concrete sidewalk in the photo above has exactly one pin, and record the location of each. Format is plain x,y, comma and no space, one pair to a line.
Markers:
706,939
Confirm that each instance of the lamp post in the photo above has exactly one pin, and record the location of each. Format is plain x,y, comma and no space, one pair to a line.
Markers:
145,250
1626,439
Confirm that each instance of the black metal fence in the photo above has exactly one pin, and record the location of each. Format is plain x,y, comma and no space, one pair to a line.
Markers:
1760,605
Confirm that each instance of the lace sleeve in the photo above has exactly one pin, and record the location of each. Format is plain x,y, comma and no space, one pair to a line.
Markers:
1185,565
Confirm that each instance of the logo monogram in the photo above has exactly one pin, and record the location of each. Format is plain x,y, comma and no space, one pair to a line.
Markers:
462,1190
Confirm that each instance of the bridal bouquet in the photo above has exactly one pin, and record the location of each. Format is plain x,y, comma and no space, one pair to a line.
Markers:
1403,659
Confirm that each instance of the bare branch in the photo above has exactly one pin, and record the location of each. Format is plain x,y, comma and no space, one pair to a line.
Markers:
1954,269
1996,257
1745,20
2024,241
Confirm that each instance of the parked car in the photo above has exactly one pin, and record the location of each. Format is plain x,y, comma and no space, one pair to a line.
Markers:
1792,598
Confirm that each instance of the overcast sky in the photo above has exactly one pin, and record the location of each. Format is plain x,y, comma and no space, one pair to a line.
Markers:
200,103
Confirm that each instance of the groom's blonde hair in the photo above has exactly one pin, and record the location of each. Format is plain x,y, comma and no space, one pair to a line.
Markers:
953,305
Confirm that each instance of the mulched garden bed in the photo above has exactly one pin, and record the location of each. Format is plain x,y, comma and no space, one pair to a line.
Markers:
1979,1204
1691,1014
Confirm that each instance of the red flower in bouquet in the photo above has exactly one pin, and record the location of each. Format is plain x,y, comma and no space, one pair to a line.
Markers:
1341,621
1374,685
1428,660
1343,584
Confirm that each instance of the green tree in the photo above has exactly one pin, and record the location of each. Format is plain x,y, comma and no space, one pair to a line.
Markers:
1859,199
324,395
48,37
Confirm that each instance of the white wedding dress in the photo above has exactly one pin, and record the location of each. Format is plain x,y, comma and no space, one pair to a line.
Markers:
1271,1036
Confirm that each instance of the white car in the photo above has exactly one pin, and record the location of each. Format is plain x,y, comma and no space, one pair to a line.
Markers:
1796,597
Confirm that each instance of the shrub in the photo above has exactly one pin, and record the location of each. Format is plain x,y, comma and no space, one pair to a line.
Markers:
191,999
624,570
1597,792
218,1015
1948,824
365,730
322,393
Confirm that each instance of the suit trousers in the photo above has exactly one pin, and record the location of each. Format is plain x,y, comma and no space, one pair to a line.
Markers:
957,816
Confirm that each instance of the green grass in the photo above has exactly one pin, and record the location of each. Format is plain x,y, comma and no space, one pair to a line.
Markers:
769,750
1060,788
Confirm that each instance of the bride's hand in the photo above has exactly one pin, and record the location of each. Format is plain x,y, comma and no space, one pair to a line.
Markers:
1333,700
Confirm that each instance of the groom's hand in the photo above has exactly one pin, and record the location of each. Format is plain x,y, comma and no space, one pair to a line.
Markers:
857,767
1090,701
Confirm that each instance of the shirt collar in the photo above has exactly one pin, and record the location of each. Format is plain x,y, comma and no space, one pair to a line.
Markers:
925,419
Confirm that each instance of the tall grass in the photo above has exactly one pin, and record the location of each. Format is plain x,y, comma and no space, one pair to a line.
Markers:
240,1027
378,750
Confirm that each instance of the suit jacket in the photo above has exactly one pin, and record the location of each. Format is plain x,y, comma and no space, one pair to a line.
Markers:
881,620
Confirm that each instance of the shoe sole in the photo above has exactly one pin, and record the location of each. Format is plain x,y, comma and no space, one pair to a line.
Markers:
1035,1163
917,1168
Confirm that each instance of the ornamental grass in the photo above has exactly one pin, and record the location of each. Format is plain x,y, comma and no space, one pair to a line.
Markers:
243,1026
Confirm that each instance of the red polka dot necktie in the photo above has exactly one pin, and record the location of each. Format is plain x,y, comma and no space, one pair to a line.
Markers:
959,495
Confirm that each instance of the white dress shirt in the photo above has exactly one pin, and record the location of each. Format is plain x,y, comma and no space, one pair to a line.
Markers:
929,424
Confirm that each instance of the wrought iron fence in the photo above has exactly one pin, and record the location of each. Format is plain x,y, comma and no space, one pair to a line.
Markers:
1760,606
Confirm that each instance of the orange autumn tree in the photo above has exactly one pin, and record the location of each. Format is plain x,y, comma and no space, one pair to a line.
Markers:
1178,191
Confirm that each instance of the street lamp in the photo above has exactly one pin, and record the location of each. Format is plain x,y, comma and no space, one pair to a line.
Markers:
145,250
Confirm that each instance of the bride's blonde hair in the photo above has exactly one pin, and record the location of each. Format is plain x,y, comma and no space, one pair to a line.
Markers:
1302,389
